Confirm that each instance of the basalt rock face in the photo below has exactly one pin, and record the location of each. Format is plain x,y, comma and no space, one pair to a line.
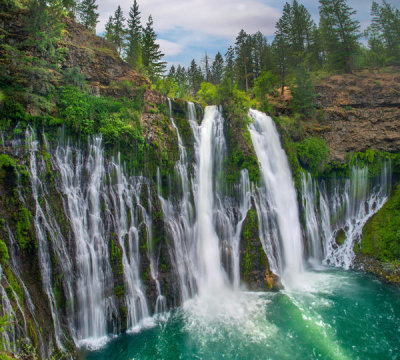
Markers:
362,111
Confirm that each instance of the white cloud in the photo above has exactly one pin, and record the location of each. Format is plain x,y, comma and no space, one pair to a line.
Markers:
223,18
169,48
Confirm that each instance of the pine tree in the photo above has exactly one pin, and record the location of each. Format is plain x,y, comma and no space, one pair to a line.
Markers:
181,76
172,72
303,93
384,32
134,46
217,69
87,14
206,68
244,60
119,31
151,51
195,77
109,29
340,33
280,48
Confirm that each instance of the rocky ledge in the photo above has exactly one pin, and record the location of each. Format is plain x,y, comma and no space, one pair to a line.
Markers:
362,111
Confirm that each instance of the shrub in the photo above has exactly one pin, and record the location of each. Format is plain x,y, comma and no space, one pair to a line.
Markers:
313,154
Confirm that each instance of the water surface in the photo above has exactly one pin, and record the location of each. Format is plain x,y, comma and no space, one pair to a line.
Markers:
333,314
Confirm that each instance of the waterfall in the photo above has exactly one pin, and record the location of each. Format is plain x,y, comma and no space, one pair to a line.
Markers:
126,222
43,226
82,182
280,195
212,277
343,208
179,218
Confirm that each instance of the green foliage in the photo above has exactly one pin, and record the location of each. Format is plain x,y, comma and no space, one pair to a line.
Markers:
116,257
264,85
340,33
22,220
313,154
87,14
208,94
381,234
303,93
134,37
384,34
115,30
4,256
6,162
151,53
14,285
117,120
75,77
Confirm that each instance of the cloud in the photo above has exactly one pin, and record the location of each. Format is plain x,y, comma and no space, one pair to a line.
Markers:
169,48
223,18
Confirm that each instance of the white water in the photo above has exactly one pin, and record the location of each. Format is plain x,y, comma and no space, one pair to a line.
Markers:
280,195
123,194
345,207
213,277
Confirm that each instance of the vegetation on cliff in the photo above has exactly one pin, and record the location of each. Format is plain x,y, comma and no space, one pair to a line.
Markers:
381,235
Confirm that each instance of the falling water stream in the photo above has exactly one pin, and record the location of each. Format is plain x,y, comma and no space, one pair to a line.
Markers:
323,313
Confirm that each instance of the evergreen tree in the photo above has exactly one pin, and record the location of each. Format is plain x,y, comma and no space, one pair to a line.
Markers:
119,31
45,27
110,29
134,46
259,53
195,77
217,69
303,93
206,68
340,33
181,76
151,51
244,61
87,14
172,72
295,27
280,48
384,32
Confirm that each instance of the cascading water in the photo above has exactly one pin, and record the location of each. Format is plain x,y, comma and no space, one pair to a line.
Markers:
213,276
123,195
343,209
280,195
44,226
93,271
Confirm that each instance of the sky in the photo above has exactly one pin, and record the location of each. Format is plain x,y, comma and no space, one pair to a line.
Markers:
187,29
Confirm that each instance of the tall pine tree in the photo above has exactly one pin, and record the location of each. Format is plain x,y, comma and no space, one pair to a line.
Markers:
384,32
151,54
87,14
134,39
217,69
119,31
340,33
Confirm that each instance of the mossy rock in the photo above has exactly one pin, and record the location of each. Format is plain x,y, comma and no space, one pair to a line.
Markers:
340,237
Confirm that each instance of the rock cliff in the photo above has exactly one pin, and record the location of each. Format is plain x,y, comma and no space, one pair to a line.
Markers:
362,111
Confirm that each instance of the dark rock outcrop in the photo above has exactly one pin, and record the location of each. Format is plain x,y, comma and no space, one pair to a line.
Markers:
362,111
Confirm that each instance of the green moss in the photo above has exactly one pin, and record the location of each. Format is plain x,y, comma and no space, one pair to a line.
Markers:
116,257
24,236
119,291
4,256
14,286
340,237
381,234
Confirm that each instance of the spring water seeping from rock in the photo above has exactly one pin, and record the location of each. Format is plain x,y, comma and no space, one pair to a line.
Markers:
336,212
